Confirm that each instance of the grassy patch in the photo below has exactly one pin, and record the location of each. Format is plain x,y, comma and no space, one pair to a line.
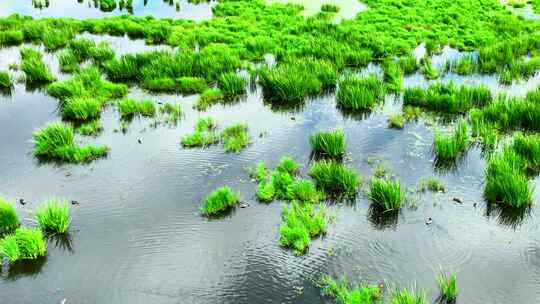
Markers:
294,81
386,194
431,184
90,128
344,293
406,296
235,138
335,179
448,287
356,93
218,201
53,216
25,243
204,134
130,107
447,98
301,222
209,98
9,220
328,143
57,142
449,147
81,109
396,121
232,84
173,112
34,69
6,82
506,182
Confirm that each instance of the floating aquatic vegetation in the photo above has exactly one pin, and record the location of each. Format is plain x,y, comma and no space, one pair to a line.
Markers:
386,194
431,184
235,138
335,179
301,222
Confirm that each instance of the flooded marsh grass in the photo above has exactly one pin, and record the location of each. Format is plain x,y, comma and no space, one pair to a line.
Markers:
159,81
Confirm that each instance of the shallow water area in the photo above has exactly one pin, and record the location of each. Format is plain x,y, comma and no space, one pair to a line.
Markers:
86,9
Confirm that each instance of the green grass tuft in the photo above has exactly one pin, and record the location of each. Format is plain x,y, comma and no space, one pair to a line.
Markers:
335,179
129,108
173,111
506,182
431,184
218,201
405,296
81,109
9,220
343,293
301,222
57,142
209,98
449,147
6,82
235,138
232,84
386,194
357,93
53,216
204,134
448,287
34,69
328,143
396,121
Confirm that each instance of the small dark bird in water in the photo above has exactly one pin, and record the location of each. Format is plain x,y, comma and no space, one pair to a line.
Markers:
293,118
139,140
74,202
429,221
22,201
457,200
474,205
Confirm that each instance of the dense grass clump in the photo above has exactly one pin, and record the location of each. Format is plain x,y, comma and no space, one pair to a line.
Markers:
408,64
81,109
300,223
392,76
357,93
232,84
386,194
6,82
35,70
335,179
343,293
510,114
293,81
57,142
53,216
129,108
68,62
90,128
449,147
303,190
528,147
328,143
11,37
429,71
25,243
219,200
506,182
204,134
9,220
448,98
465,65
448,287
235,137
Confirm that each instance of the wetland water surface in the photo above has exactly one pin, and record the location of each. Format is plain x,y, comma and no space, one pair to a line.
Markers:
137,235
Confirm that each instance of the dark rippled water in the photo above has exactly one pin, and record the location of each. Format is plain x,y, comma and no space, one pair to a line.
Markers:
137,235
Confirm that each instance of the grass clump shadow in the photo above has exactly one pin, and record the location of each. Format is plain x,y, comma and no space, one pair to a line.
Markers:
219,201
